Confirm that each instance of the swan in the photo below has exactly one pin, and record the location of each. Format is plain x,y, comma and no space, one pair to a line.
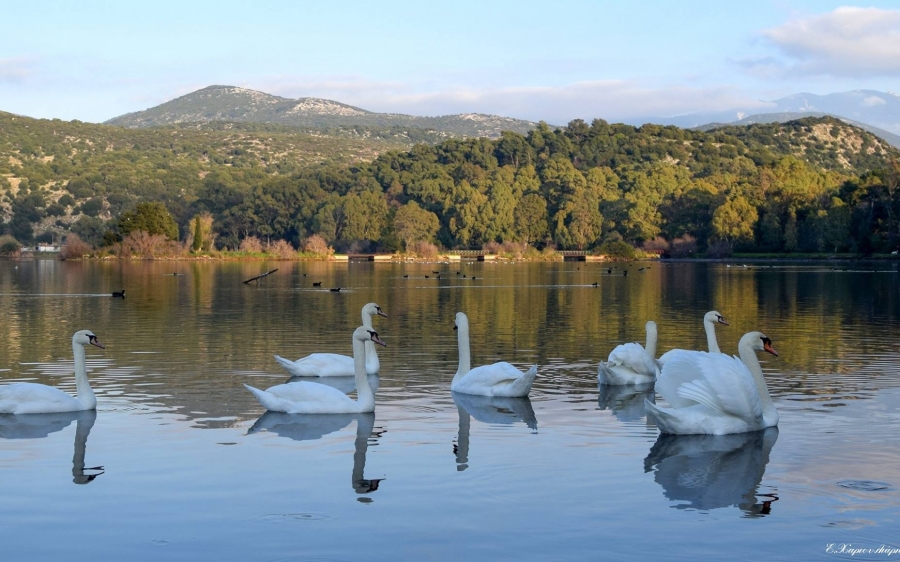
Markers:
314,398
334,364
710,319
34,398
498,379
630,363
714,394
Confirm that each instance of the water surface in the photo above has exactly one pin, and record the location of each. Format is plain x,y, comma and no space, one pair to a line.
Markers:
193,468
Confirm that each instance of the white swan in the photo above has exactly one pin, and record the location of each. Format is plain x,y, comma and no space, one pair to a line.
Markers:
334,364
630,363
710,319
314,398
34,398
498,379
714,394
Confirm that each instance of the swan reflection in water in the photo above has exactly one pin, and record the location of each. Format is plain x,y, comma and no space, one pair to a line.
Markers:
626,402
38,426
309,427
491,410
714,471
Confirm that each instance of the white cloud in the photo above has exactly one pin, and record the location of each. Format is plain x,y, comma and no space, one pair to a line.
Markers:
849,41
873,101
612,100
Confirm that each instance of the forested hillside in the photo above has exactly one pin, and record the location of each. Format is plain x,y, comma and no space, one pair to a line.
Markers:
810,185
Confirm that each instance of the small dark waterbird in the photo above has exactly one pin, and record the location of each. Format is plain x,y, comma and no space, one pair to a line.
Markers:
119,294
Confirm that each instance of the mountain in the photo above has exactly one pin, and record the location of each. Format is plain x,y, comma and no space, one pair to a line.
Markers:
229,103
877,112
891,138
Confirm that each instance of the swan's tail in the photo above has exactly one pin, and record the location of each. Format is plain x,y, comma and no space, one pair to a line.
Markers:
522,385
286,363
604,375
663,419
261,395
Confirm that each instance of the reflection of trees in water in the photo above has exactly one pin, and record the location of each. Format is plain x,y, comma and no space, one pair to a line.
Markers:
208,332
626,402
309,427
714,471
490,410
38,426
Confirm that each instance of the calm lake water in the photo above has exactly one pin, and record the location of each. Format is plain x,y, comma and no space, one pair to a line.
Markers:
193,469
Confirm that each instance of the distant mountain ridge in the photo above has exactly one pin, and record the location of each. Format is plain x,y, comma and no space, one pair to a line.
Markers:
875,111
890,138
230,103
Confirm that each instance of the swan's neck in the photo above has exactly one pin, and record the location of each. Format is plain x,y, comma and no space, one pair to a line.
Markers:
83,391
465,360
364,395
650,346
711,336
749,358
372,364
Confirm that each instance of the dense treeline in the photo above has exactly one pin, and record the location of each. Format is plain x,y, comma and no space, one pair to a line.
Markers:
809,185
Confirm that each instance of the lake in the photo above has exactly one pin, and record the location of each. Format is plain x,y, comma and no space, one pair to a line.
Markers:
193,468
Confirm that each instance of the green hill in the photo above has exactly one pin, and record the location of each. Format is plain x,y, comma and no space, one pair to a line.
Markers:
805,185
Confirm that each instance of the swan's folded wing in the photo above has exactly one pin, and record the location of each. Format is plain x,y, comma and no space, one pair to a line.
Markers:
330,363
492,375
633,356
308,392
733,384
29,398
680,368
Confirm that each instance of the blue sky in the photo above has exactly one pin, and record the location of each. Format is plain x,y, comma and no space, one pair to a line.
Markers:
556,61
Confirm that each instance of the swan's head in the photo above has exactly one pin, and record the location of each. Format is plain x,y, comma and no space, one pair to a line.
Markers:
759,342
373,309
462,321
650,326
85,337
713,316
364,334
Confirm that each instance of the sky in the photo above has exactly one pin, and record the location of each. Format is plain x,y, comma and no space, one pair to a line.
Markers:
552,61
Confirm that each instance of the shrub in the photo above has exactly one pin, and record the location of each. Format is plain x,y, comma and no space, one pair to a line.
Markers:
149,246
281,249
683,247
719,249
251,245
617,249
423,249
315,244
74,248
9,246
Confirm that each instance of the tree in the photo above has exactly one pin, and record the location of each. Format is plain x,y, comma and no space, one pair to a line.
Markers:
413,223
531,218
735,220
152,218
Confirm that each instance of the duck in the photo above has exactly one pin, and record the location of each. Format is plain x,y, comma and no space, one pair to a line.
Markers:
313,398
335,364
335,289
317,284
497,379
710,319
631,363
119,294
715,394
34,398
